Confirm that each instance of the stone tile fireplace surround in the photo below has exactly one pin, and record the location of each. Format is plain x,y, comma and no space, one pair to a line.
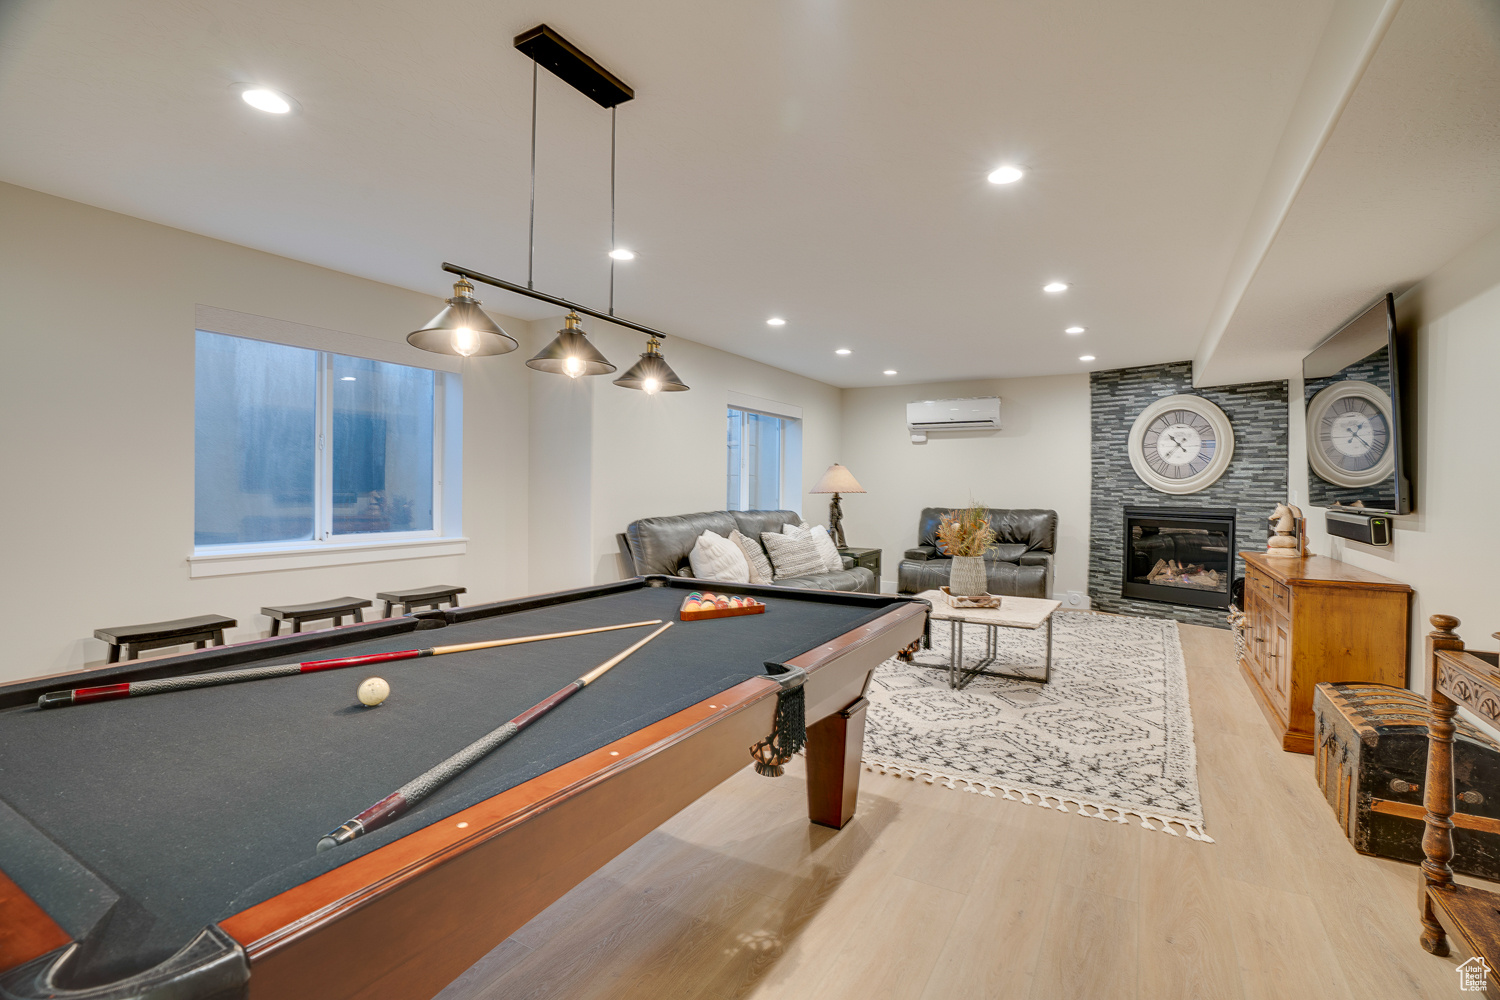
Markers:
1255,482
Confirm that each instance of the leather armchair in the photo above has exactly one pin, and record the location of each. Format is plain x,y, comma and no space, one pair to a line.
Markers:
1019,565
661,545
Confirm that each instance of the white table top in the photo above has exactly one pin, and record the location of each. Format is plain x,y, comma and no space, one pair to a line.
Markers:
1013,612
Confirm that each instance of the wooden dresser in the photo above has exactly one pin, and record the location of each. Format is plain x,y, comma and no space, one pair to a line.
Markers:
1312,620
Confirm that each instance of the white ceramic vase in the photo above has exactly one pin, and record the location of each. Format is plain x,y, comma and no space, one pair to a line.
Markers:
966,576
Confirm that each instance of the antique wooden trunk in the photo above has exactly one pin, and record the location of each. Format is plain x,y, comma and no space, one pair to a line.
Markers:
1371,759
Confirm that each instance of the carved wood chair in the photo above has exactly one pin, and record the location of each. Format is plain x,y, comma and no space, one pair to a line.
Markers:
1469,915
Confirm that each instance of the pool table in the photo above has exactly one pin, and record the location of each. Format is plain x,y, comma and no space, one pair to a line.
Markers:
164,847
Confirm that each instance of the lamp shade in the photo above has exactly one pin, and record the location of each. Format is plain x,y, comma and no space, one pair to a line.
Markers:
837,480
571,354
652,373
462,328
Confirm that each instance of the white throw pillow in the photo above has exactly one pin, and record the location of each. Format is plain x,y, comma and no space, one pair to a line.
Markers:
760,566
832,561
792,555
715,557
793,530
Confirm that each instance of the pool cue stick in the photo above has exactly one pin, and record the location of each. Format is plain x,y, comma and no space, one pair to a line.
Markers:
417,789
137,689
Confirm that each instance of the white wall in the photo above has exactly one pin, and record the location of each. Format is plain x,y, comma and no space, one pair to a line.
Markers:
1449,548
1040,458
96,393
643,456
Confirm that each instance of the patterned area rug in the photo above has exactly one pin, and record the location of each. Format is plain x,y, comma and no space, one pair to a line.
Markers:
1110,737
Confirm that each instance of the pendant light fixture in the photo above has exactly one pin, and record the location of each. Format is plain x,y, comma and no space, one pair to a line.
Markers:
462,328
570,353
651,374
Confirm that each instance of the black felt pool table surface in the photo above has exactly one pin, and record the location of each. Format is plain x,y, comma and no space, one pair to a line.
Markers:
197,804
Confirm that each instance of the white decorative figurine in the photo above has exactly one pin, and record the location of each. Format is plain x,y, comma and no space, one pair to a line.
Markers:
1285,542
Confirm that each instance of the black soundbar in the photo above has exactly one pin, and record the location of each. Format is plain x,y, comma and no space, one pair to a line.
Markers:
1372,529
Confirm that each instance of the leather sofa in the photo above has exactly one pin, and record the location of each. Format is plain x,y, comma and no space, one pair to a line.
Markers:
661,545
1019,565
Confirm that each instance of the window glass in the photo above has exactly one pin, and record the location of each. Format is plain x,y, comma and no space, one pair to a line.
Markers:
255,441
382,446
301,445
762,461
760,446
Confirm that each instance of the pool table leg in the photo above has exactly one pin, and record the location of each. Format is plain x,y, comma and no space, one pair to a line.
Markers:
834,748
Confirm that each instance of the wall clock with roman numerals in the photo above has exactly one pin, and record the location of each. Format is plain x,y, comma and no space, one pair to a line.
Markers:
1349,434
1181,444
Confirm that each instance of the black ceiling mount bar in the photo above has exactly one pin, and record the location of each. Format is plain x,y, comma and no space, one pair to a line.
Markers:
532,293
574,66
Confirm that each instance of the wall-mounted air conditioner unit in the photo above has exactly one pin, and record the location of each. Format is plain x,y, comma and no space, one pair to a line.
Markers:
979,414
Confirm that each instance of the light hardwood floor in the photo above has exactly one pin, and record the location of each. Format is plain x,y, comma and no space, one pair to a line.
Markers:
934,893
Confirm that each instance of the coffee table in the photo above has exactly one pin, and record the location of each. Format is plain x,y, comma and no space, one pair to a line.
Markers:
1013,612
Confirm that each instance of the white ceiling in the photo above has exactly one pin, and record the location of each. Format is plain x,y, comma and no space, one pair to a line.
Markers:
1408,178
818,159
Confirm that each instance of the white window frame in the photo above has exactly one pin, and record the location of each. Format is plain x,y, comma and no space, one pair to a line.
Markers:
788,474
326,548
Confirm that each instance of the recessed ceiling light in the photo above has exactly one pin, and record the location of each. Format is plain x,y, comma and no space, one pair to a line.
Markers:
1053,287
842,350
1086,357
1074,329
620,253
264,99
891,371
1006,175
775,321
348,378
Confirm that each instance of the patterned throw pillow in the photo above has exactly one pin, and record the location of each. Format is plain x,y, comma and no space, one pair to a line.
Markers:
715,557
793,530
832,561
760,566
792,556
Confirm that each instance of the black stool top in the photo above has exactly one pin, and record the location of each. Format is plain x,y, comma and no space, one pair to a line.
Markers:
420,594
120,634
338,606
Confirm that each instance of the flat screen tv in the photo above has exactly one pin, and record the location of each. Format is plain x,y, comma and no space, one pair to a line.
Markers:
1352,388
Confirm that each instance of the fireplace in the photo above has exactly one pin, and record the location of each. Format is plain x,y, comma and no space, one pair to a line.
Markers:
1178,556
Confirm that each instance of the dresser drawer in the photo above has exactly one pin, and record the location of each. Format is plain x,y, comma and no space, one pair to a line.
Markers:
1258,582
1281,596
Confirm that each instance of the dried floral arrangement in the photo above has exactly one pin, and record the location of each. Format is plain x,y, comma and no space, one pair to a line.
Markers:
966,532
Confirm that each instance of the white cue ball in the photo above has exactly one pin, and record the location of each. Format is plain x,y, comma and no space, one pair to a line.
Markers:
373,691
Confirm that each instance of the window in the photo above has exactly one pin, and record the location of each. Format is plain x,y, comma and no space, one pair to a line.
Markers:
764,461
297,445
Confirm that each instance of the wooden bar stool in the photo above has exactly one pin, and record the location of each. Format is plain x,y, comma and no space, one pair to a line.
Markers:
337,609
420,597
134,638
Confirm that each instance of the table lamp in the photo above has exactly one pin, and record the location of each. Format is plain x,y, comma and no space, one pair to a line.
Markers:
837,480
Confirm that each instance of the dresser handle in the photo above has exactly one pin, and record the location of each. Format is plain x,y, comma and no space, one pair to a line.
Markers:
1473,798
1397,785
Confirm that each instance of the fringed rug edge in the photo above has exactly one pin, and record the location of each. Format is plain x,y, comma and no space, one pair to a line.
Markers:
1033,796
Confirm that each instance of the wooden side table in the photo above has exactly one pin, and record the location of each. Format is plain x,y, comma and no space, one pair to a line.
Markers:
868,558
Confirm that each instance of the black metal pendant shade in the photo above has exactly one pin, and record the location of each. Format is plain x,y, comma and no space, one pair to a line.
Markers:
651,374
463,329
571,354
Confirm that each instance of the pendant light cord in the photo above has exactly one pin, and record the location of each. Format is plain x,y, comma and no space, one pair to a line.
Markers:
531,247
613,246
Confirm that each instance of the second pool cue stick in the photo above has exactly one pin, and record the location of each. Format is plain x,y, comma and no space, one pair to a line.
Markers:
165,685
424,784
